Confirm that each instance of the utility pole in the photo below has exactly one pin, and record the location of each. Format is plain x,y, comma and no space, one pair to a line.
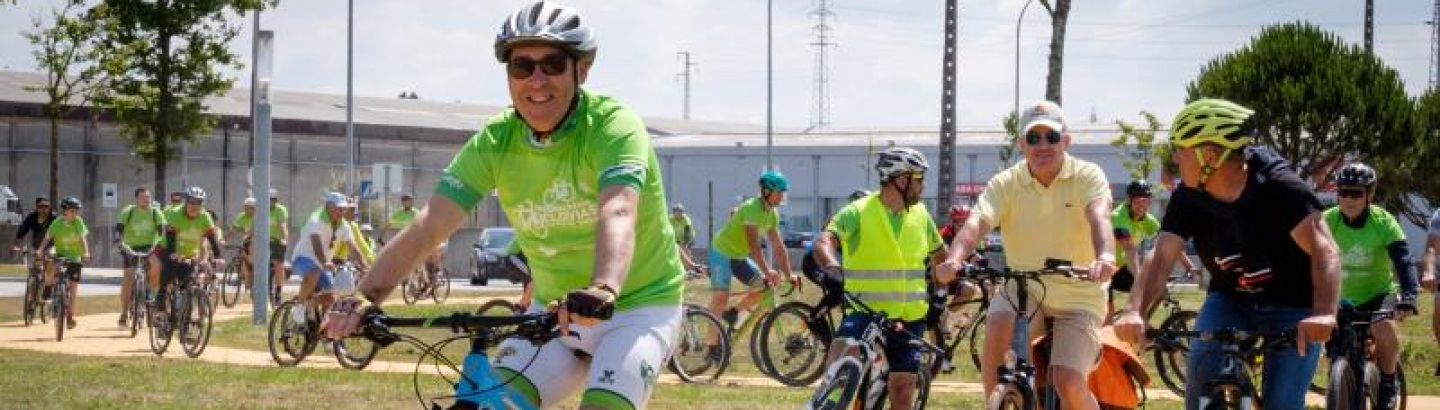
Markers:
820,110
684,76
945,192
1370,26
1435,46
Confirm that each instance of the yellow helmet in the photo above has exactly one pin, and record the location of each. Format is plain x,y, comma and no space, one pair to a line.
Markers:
1211,120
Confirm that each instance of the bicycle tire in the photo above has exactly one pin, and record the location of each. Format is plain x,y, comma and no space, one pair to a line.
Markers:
440,288
160,333
59,298
1372,384
230,285
195,336
922,388
409,291
975,341
842,383
787,348
1172,355
354,352
289,342
137,302
32,298
1011,396
1228,397
498,307
694,358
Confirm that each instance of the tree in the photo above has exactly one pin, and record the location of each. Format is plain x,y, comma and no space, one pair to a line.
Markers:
1007,150
1317,100
65,51
165,57
1146,154
1059,15
1406,182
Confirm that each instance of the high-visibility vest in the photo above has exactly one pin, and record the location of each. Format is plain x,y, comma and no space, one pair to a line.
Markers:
887,270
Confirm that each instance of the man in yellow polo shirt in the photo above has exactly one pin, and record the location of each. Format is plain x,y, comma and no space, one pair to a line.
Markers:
886,238
1050,205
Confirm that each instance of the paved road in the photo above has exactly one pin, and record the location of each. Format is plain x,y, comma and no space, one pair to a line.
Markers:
106,281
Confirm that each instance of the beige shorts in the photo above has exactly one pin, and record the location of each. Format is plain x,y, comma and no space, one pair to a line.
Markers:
1076,319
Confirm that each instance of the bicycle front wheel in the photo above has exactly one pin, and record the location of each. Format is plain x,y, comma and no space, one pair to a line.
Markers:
789,347
32,299
1228,397
198,321
161,324
841,384
354,352
441,287
137,303
58,297
230,285
410,290
700,347
290,337
1010,396
1173,354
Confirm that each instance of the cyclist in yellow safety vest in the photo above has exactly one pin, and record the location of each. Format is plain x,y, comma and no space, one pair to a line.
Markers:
886,239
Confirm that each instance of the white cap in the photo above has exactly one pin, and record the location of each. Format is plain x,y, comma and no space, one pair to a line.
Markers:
337,199
249,201
1044,113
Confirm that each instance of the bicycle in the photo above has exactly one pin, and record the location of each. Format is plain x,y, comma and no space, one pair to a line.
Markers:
1171,354
1016,386
230,281
763,323
60,303
183,304
1234,387
949,336
474,383
848,376
35,306
793,341
1351,344
294,333
139,284
423,284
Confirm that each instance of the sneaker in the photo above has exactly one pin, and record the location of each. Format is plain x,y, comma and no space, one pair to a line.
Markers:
45,293
730,316
715,354
1387,394
70,324
123,319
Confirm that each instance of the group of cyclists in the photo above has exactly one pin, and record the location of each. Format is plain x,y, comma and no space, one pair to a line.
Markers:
577,174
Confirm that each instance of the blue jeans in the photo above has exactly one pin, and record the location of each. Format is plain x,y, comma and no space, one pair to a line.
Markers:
1286,375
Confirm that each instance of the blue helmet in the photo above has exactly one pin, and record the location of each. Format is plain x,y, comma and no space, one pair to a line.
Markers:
774,181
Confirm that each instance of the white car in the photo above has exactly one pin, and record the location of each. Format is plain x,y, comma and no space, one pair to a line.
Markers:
10,212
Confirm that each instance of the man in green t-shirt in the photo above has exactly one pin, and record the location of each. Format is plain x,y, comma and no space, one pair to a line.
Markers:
240,227
67,234
684,233
137,231
1373,257
579,180
735,252
1134,228
187,229
279,236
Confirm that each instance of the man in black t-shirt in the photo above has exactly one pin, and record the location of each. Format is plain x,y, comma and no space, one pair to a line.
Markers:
1257,228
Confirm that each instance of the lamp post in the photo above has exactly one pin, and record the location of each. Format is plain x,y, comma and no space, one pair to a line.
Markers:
1017,63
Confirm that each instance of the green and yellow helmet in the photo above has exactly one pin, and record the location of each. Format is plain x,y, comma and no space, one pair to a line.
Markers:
1211,120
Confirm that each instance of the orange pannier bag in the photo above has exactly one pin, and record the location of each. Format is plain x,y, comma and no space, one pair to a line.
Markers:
1117,378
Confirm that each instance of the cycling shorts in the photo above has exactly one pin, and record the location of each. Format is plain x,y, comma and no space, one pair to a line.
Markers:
616,362
723,267
902,356
306,267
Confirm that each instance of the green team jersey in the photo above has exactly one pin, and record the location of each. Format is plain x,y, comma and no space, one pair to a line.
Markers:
68,237
553,202
142,228
189,232
279,216
402,217
731,241
242,223
1366,271
683,230
1139,231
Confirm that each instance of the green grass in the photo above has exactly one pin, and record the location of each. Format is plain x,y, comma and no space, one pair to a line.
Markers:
87,305
12,269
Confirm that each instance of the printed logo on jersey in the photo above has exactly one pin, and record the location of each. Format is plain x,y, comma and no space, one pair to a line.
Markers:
559,206
1356,256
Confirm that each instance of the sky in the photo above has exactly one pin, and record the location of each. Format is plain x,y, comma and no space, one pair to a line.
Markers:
1121,57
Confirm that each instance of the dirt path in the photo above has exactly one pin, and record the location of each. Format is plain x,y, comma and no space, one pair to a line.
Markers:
98,335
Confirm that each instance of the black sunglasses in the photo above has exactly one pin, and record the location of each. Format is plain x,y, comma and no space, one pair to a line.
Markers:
1052,137
1351,193
521,68
42,206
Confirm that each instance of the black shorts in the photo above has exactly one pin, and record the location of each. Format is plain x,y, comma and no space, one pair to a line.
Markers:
69,270
1374,304
277,251
1123,280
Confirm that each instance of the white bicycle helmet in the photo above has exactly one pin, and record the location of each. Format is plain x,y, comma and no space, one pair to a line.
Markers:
546,23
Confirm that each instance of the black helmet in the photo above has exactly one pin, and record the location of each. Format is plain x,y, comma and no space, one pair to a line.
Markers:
70,202
859,193
1138,187
1356,174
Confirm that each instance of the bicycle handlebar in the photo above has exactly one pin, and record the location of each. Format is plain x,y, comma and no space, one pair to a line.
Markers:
888,325
537,327
1228,336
